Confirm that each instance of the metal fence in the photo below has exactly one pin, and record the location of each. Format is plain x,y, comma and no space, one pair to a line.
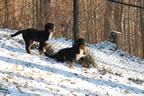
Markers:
96,19
106,56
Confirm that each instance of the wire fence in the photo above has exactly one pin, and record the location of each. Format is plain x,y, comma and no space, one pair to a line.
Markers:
96,20
105,56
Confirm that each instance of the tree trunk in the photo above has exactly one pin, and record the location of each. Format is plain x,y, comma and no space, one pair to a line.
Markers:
6,24
107,19
142,25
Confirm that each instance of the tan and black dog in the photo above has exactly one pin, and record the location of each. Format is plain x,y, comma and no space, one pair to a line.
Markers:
76,52
30,35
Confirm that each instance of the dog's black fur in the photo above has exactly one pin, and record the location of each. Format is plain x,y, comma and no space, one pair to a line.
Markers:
71,54
30,35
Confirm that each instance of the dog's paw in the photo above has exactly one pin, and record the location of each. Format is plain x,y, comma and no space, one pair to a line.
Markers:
71,67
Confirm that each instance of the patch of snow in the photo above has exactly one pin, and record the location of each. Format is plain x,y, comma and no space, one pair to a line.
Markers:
23,74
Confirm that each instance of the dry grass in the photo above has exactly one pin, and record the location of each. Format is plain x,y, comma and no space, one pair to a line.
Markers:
138,81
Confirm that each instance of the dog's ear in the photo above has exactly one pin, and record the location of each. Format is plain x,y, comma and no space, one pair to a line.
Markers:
79,42
49,26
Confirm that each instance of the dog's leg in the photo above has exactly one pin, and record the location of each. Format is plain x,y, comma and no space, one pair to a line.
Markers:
42,47
30,45
71,64
82,61
27,43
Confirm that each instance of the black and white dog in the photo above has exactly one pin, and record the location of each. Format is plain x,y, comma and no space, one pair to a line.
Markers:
76,52
42,36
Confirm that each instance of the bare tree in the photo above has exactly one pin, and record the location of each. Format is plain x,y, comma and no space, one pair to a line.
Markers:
6,13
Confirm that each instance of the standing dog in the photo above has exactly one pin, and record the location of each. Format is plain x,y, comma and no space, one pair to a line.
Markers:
30,35
76,52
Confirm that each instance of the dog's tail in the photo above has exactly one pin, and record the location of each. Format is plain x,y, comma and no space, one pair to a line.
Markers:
17,33
50,56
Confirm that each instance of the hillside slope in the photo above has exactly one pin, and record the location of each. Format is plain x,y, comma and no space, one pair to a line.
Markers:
23,74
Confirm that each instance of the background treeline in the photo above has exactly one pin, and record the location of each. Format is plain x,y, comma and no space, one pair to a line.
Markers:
96,19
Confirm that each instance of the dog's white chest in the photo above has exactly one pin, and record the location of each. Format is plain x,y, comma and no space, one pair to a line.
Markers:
81,54
51,35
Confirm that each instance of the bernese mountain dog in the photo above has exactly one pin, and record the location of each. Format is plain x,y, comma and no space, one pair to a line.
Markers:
42,36
76,52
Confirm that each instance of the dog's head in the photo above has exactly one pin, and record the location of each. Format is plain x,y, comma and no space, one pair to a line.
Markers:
83,47
79,42
50,27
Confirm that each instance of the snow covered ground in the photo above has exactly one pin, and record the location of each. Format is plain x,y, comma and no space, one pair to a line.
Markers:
22,74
